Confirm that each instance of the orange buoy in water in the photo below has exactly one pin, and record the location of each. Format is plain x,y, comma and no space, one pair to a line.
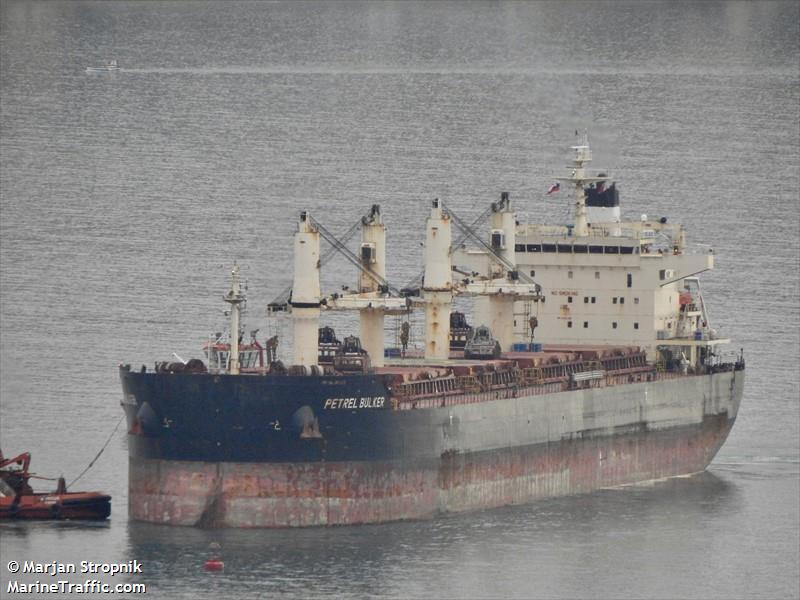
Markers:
214,564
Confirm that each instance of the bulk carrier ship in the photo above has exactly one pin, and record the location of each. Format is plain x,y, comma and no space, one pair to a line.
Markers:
592,364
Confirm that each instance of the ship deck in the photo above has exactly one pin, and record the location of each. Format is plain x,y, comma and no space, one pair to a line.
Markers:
415,364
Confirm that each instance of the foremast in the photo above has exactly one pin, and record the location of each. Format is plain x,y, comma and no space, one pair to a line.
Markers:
236,299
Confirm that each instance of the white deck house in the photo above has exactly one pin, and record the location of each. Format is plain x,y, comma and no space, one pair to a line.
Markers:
605,281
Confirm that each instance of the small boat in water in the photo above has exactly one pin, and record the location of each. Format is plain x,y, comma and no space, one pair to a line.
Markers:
110,65
19,501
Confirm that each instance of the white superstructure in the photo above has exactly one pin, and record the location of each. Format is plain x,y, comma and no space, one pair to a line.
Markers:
614,282
598,281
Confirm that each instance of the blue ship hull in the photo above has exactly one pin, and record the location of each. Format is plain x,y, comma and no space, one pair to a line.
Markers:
272,451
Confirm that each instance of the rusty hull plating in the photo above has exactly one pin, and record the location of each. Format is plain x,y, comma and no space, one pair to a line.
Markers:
207,450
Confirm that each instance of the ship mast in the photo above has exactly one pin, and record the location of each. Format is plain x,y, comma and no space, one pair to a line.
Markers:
305,299
373,257
235,298
580,179
437,289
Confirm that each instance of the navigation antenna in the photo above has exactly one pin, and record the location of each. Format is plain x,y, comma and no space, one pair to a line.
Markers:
579,180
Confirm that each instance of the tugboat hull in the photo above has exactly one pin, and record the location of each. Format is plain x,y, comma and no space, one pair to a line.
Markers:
78,506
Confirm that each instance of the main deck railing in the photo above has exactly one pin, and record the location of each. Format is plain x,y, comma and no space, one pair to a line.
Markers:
514,382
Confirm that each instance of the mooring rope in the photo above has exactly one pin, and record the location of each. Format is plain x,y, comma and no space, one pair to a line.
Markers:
99,453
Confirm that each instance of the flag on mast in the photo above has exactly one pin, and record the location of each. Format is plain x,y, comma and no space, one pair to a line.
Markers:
554,188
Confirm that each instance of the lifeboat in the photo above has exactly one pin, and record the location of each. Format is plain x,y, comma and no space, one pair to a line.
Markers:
19,501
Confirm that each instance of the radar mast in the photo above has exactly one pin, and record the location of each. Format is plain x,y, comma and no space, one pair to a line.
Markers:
579,179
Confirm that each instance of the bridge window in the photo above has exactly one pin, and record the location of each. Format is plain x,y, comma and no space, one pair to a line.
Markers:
612,249
566,248
626,249
595,249
580,248
519,247
548,247
534,247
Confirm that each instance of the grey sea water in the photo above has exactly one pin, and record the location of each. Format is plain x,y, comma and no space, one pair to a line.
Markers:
125,197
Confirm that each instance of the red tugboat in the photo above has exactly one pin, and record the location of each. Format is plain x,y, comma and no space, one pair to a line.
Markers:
19,501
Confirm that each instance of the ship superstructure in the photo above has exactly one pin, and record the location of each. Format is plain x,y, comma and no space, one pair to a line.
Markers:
590,362
606,281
